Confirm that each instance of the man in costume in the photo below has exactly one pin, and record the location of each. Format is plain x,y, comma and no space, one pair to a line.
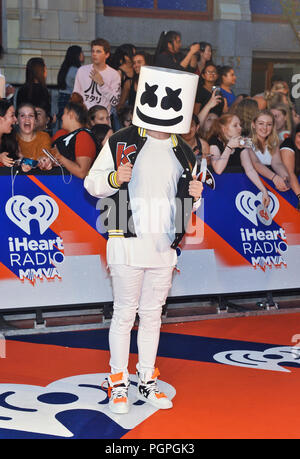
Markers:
146,177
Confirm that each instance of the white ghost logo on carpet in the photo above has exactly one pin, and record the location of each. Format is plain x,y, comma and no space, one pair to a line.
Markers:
34,409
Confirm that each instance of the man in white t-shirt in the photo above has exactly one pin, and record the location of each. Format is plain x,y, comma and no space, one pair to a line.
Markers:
146,177
98,83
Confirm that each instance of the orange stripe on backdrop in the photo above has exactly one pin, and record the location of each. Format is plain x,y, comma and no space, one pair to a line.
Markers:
288,218
6,273
203,237
78,236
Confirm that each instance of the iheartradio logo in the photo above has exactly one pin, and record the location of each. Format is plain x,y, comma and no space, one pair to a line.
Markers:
250,206
21,211
37,409
273,358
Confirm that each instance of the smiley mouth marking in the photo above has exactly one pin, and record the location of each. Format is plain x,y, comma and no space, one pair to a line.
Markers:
158,122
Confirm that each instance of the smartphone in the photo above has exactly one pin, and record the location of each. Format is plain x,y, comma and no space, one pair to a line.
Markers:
217,89
47,153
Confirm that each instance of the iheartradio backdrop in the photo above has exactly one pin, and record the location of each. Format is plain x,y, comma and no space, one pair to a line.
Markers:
52,253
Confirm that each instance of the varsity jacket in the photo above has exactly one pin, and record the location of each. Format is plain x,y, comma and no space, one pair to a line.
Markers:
124,146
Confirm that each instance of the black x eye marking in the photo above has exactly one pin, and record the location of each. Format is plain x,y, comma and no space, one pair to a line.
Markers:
148,96
172,100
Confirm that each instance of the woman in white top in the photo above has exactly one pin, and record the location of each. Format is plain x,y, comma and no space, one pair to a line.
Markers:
265,154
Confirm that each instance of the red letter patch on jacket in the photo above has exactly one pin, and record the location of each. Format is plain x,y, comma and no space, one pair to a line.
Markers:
124,152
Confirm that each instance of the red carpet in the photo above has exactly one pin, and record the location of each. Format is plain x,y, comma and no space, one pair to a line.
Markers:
213,399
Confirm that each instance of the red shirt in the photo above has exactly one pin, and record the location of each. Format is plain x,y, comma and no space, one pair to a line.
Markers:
84,145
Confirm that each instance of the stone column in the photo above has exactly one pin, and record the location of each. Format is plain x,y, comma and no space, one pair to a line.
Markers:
232,20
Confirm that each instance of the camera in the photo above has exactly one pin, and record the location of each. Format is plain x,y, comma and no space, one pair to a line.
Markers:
246,142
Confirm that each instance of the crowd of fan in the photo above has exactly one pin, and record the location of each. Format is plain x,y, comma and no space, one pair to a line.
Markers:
258,134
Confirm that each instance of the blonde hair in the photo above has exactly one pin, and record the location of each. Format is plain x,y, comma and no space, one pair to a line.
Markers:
246,110
285,110
278,94
280,86
272,140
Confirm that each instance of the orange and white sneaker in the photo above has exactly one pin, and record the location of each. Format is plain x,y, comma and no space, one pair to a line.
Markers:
149,392
118,393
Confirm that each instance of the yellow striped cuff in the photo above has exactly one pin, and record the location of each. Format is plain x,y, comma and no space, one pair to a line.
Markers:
116,233
112,180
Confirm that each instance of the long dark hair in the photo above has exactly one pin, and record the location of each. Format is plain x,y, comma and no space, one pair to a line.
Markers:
164,39
35,70
203,46
4,106
8,141
118,58
81,112
10,144
99,132
72,59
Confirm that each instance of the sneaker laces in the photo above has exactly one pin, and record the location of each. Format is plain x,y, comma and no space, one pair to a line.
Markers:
117,391
151,387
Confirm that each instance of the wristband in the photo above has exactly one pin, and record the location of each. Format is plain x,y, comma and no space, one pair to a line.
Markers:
298,196
112,180
227,146
273,177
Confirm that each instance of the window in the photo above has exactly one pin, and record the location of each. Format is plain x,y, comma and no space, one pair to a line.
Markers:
179,9
272,10
265,7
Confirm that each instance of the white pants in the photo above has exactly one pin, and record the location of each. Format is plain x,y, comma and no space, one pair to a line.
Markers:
142,290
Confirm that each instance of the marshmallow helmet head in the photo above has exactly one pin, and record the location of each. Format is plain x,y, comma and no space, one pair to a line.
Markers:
165,100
